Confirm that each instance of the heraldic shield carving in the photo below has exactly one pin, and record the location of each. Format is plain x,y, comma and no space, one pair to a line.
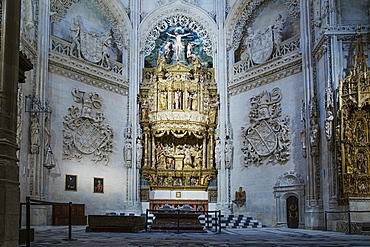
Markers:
85,134
268,136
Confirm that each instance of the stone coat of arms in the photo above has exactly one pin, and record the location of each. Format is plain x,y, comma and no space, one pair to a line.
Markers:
85,134
267,137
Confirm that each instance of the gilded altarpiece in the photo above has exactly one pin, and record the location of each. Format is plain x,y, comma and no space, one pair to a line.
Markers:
353,130
178,105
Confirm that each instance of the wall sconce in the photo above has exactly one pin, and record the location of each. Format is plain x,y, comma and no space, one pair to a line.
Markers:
49,162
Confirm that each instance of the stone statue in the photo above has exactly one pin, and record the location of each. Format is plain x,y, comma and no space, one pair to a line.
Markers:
178,44
128,154
35,135
218,154
75,48
278,33
106,49
139,152
228,154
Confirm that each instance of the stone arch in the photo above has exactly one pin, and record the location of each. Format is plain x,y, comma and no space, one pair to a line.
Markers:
185,14
290,183
242,12
112,9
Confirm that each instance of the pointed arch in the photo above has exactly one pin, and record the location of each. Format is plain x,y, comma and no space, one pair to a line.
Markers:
184,14
112,9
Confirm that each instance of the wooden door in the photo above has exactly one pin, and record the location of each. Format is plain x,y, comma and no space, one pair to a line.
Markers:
292,212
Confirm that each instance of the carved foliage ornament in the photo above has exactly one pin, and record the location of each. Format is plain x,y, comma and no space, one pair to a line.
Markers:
184,21
85,134
268,135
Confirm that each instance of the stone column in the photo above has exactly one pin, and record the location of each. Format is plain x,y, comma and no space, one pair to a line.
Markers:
223,201
313,202
133,204
9,64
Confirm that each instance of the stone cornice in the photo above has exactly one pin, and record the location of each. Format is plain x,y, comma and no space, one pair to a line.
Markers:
87,73
267,73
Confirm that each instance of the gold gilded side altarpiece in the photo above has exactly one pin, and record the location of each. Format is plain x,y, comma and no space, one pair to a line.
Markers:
353,130
178,116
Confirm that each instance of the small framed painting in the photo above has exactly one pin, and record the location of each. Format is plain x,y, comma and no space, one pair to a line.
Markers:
98,185
71,183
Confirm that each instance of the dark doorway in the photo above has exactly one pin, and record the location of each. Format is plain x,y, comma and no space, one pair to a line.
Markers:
292,212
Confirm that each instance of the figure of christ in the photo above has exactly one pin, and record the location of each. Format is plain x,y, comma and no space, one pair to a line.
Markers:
178,45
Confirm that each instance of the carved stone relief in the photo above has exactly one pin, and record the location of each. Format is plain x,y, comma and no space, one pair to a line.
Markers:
59,8
95,48
328,122
289,178
85,134
314,128
268,135
259,46
185,22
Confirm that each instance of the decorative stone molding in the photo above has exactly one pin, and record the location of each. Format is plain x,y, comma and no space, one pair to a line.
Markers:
118,19
186,19
244,13
285,49
293,7
268,135
84,134
303,133
87,73
289,178
266,73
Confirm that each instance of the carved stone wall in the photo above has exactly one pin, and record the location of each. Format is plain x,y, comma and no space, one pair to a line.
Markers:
267,136
85,134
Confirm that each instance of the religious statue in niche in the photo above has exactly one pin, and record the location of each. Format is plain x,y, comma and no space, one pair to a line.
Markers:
85,134
93,47
267,136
